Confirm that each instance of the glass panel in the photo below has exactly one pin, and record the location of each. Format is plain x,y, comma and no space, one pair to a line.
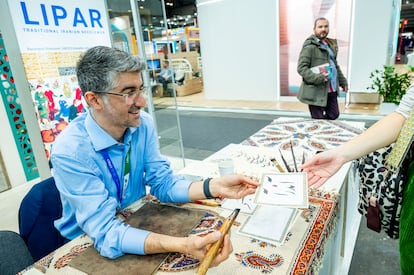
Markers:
140,38
294,32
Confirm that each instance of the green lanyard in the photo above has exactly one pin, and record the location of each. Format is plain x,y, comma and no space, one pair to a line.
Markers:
127,168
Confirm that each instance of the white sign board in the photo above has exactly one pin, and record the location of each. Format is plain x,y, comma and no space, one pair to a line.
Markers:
56,26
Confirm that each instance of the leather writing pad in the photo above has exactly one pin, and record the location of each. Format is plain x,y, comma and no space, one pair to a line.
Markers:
158,218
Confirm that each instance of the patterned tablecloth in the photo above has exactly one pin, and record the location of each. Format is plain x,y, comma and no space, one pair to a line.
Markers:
309,134
301,254
303,249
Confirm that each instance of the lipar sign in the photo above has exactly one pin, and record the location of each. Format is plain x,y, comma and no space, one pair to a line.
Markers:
59,14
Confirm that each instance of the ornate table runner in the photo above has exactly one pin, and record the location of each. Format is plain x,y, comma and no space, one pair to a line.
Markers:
302,252
310,134
155,217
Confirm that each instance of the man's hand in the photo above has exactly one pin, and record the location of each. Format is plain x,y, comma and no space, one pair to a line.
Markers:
233,186
197,246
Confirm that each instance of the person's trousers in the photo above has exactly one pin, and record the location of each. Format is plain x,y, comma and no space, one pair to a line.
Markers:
331,111
164,82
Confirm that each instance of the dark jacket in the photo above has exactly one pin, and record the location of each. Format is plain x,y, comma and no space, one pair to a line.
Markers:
314,90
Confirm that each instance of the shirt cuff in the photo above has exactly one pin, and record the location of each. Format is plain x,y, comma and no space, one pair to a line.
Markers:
134,241
181,190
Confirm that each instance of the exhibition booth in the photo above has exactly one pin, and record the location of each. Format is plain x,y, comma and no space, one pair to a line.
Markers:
229,53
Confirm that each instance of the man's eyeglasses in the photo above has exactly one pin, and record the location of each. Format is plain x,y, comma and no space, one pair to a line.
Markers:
131,95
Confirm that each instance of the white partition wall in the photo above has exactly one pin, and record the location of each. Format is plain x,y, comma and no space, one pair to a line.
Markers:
373,39
239,48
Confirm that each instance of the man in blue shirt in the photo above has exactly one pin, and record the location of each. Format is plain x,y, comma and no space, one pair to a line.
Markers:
105,158
165,76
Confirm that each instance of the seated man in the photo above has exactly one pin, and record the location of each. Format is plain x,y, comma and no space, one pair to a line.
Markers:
104,160
166,75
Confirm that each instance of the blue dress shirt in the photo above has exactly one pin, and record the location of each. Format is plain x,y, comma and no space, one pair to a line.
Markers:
89,193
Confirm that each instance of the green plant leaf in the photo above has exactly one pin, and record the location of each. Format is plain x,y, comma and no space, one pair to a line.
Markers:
389,84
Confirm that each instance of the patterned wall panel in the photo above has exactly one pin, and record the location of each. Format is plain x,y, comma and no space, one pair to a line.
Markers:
14,112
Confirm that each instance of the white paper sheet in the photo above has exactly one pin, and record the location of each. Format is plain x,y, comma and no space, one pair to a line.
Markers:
269,223
283,189
246,205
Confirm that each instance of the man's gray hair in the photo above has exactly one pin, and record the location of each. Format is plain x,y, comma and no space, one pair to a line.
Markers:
99,68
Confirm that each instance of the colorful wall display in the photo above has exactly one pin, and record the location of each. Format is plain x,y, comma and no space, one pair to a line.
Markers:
16,120
52,35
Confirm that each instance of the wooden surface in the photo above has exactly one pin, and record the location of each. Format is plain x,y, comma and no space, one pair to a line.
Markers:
199,100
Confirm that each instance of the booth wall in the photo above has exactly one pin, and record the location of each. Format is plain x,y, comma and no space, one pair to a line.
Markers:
373,39
238,41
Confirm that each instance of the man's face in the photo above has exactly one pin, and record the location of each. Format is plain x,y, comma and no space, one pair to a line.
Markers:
124,112
321,29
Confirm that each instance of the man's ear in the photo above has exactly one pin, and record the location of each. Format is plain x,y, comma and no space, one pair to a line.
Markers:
93,100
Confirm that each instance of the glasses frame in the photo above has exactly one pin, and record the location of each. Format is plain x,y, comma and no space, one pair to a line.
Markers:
130,95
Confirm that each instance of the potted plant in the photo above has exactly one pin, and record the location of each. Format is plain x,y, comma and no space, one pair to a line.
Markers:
390,84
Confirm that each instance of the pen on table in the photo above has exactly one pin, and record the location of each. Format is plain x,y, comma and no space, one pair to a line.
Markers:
303,160
278,166
293,156
212,251
284,162
206,202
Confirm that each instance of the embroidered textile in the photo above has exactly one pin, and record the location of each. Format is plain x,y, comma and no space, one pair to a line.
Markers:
309,134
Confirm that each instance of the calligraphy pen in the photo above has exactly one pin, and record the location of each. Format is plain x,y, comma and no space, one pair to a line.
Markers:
278,166
303,160
207,202
214,248
284,162
293,156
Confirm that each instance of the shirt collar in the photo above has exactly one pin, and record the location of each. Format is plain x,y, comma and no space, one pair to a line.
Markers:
100,138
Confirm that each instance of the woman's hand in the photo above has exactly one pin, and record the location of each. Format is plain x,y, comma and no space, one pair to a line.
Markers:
321,167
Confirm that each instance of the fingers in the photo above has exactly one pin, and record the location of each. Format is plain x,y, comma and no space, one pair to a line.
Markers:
211,238
315,181
198,246
318,184
310,162
224,252
251,182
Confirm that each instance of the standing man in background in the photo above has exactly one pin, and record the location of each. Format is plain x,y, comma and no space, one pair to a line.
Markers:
320,84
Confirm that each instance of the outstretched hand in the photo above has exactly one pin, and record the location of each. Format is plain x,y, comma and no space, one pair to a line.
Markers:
321,167
234,186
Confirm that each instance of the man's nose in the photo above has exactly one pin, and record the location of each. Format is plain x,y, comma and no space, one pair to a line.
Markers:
141,100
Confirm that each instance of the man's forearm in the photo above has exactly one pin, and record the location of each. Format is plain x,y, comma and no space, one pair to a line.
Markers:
158,243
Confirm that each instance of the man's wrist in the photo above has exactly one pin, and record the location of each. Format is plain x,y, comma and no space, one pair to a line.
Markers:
206,189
